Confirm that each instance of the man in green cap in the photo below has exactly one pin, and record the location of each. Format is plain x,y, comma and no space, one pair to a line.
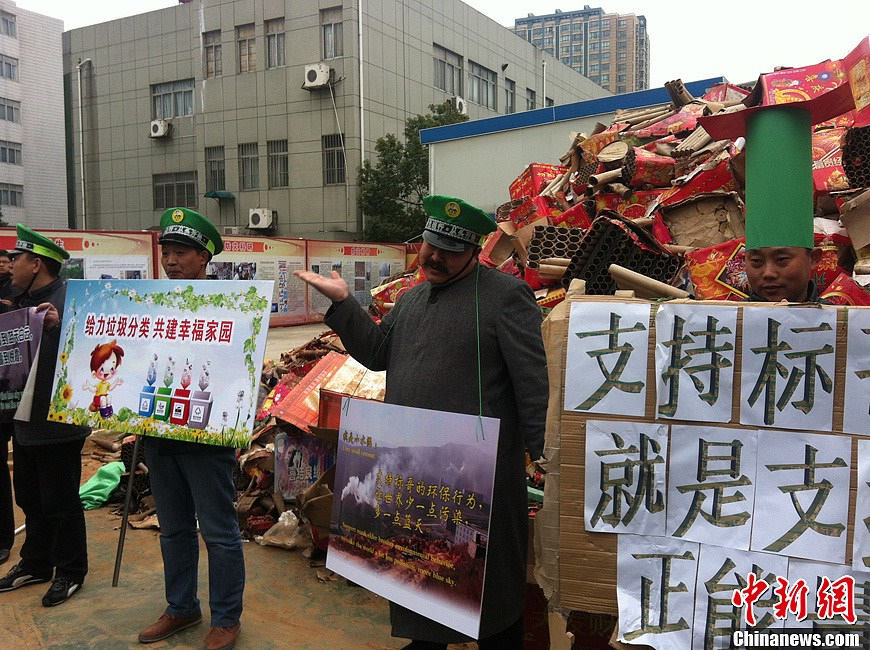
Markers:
466,341
780,253
48,464
193,482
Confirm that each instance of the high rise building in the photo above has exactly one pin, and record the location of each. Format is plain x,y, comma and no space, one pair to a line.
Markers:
259,113
611,49
32,160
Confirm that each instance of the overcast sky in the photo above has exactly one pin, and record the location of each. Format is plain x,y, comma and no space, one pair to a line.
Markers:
737,39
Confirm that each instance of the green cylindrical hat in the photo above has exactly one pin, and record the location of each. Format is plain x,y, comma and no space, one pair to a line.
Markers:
30,241
779,178
779,164
189,228
453,224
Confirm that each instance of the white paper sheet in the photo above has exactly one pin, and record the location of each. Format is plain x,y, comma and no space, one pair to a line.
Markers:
720,572
626,465
695,361
655,590
856,405
861,542
788,367
802,473
711,485
605,367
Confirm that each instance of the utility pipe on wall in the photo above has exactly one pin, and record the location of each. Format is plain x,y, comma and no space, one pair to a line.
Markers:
84,223
362,115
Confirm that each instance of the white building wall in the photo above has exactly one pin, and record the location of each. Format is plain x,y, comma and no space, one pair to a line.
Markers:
41,131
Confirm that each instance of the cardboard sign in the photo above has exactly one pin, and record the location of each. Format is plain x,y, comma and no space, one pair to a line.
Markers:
178,359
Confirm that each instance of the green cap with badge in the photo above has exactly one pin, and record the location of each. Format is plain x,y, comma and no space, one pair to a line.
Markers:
189,228
30,241
453,224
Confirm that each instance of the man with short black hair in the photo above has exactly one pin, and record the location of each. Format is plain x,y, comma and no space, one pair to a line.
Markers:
48,463
193,483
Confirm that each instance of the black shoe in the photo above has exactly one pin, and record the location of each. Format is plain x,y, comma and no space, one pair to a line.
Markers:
60,591
4,555
18,577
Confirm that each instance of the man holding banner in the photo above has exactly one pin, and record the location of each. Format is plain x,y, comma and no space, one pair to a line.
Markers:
193,482
466,341
48,465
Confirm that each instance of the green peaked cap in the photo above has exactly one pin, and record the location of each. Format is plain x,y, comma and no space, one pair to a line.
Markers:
189,228
779,164
453,224
32,242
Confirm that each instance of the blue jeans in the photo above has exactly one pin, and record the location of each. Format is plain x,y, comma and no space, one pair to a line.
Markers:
199,486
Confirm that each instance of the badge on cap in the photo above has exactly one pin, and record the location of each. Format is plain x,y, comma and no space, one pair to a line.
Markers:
452,209
177,216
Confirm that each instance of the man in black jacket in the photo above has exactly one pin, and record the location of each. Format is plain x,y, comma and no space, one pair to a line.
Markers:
48,464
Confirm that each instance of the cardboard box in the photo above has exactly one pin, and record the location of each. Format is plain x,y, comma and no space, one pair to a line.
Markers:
633,207
532,209
855,215
704,220
533,179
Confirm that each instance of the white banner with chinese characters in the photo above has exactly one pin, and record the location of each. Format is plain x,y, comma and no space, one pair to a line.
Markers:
741,450
177,359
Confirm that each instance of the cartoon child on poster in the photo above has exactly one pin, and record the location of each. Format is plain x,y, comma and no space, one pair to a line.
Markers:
105,360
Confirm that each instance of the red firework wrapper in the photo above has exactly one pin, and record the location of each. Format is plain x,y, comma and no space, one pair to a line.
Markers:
857,67
828,173
685,120
651,146
718,271
534,208
390,292
724,93
651,169
574,217
633,207
533,179
845,291
597,142
800,84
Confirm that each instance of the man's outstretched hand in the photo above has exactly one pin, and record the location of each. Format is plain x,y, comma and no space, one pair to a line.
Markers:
334,288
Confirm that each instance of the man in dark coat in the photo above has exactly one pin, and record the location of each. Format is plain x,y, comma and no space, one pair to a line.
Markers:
48,463
466,341
7,519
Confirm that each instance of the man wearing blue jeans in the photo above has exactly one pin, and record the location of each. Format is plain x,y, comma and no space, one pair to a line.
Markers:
194,482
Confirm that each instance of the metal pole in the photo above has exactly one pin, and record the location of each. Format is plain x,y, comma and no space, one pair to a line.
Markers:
544,75
362,115
123,534
84,223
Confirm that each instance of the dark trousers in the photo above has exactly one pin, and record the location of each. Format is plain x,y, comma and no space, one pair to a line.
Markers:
511,638
7,517
47,479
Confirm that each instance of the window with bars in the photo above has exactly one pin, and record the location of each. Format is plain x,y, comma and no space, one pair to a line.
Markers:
448,70
8,67
249,168
510,96
333,160
215,169
481,85
12,195
10,152
8,26
247,44
10,110
212,61
279,165
531,99
172,99
332,33
176,189
275,43
548,101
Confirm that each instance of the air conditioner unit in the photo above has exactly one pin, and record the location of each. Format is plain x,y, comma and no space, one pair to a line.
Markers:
259,218
160,128
317,75
459,104
232,230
